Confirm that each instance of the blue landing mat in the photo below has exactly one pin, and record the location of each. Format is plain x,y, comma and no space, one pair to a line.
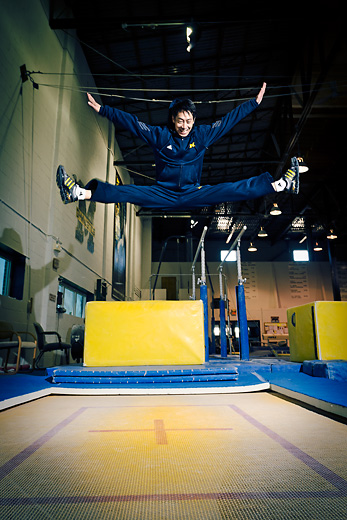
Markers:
334,392
283,374
22,384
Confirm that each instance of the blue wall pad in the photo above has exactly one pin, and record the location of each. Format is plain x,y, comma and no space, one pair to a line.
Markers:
335,370
307,368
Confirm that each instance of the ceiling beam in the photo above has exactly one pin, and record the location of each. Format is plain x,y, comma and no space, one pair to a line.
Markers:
325,67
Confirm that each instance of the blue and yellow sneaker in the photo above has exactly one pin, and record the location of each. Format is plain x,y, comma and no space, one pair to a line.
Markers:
67,186
291,177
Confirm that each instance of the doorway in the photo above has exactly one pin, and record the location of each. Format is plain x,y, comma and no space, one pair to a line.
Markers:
169,283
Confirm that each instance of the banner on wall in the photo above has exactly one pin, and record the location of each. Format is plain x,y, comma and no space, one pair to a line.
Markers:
119,250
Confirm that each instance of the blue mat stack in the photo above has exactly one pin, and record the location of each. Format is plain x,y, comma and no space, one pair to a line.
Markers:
125,376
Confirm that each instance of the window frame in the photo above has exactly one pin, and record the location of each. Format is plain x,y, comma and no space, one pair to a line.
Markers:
77,292
12,282
5,275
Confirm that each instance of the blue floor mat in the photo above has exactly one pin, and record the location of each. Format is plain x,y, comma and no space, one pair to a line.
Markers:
285,375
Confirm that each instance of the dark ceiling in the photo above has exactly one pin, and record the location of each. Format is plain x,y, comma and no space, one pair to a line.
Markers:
137,54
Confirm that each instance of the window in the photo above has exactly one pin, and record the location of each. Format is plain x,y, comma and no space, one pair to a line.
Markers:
72,298
5,274
70,301
231,256
300,255
12,270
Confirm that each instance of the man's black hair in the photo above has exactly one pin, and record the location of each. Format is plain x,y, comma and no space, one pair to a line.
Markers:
180,105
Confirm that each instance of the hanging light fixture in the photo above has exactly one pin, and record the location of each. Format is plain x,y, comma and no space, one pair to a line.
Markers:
302,165
317,247
275,210
262,233
193,33
189,32
252,247
332,235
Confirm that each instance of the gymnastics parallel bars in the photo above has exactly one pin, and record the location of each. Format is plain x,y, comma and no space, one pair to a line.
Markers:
241,303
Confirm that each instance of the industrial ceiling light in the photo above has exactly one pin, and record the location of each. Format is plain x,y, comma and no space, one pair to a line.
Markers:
252,248
275,210
317,247
332,235
262,233
302,165
192,35
189,32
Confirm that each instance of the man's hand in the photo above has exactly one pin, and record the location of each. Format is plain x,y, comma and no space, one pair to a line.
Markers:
261,93
94,104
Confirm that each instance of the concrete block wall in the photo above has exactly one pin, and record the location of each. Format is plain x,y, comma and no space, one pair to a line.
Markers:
40,129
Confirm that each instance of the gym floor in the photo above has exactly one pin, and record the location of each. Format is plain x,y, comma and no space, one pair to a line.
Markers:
223,456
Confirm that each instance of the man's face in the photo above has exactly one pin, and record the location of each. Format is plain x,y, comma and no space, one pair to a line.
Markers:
183,123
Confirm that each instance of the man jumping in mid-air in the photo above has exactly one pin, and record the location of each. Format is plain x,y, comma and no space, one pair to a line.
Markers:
179,149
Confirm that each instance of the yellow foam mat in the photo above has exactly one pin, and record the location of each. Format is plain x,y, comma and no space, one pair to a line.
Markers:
317,331
331,320
242,456
144,333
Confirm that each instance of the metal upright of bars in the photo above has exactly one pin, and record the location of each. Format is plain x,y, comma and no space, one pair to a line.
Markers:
241,303
203,286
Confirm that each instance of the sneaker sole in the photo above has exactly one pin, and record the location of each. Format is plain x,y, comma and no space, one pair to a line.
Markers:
295,166
296,189
65,197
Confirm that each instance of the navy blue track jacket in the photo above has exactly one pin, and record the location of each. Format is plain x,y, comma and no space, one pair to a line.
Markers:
178,160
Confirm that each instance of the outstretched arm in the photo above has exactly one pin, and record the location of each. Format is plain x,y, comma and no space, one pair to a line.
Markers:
93,103
124,120
261,93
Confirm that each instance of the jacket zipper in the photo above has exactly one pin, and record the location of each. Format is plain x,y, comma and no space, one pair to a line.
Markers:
180,175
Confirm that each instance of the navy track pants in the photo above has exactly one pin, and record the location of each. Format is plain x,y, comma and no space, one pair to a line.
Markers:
157,196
